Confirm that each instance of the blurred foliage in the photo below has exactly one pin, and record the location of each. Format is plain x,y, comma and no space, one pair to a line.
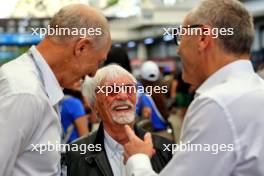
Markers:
112,2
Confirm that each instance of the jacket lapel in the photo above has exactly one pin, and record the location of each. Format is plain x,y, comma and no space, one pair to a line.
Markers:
100,158
103,164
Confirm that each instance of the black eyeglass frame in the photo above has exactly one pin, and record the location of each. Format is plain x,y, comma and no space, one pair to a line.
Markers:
177,38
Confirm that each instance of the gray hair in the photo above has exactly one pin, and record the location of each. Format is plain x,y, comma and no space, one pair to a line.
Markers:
79,16
107,73
227,14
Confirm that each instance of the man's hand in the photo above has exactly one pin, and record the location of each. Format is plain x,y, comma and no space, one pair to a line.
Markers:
135,145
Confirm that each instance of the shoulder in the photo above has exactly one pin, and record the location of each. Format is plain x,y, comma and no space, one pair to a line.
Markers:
72,101
20,76
75,152
234,89
87,139
146,100
81,151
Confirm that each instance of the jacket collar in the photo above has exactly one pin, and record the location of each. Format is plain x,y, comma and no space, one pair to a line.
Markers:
100,157
49,81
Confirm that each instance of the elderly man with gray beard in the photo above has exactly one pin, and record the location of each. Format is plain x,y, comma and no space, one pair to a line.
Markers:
112,94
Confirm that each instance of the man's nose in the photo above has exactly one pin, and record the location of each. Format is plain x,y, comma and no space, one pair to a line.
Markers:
122,95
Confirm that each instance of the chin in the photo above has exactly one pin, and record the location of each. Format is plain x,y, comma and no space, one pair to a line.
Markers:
185,78
125,118
65,86
68,84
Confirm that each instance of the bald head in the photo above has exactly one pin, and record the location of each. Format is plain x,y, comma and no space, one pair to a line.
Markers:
79,20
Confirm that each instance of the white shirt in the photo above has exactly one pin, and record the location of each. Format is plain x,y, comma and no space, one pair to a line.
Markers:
228,109
115,155
29,94
261,73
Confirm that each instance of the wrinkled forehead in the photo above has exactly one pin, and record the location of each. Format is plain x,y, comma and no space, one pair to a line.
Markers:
121,80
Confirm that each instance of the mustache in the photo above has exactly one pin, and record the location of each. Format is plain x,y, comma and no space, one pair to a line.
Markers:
121,103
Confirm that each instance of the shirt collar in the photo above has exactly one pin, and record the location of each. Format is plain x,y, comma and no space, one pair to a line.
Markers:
51,84
113,145
233,69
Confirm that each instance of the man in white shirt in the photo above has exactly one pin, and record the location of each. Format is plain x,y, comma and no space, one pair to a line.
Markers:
30,90
226,117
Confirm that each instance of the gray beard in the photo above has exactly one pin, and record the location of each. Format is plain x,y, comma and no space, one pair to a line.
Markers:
124,118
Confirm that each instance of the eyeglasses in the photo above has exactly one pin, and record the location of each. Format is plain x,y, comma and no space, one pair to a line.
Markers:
177,37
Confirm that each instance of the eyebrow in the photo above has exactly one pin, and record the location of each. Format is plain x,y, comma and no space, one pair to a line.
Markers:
117,84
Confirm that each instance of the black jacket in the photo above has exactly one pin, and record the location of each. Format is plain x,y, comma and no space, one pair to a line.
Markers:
96,163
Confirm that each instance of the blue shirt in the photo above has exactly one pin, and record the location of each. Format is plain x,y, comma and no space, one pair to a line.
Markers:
71,109
157,120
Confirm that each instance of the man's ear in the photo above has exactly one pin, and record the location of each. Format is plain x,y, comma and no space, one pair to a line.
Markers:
205,38
81,45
